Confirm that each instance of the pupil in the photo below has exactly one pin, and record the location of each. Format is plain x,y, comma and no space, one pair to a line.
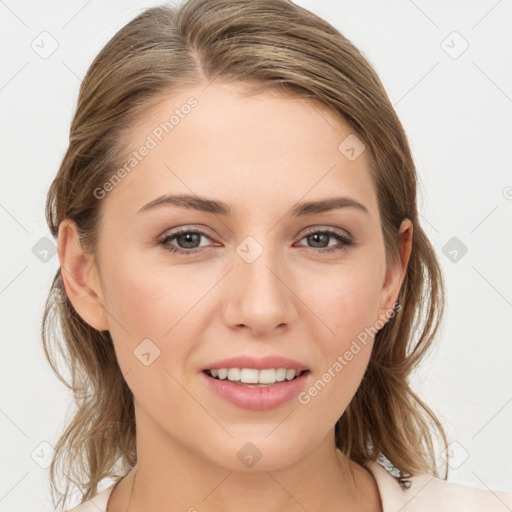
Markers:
315,237
187,237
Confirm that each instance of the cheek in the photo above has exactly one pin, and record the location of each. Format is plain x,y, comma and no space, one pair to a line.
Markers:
145,303
147,299
346,299
346,302
152,324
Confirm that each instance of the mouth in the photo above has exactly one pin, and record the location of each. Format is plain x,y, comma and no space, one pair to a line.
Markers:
257,390
254,378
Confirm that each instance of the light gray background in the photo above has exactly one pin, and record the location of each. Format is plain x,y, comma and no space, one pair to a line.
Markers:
457,110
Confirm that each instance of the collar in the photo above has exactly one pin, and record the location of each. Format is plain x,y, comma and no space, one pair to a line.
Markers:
394,496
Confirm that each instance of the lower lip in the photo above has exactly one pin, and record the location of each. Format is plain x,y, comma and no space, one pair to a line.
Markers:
255,398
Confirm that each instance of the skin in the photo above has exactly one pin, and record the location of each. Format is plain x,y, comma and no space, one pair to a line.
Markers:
261,155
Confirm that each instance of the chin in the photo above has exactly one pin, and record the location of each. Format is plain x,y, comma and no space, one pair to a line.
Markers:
260,454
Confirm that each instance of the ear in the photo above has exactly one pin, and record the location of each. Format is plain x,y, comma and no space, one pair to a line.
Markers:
80,277
395,274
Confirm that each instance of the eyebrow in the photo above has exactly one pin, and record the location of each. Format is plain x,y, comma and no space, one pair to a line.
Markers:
221,208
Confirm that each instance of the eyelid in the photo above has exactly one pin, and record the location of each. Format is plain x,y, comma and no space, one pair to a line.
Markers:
185,228
343,237
338,231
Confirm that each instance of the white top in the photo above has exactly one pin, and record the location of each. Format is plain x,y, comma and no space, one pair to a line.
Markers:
426,494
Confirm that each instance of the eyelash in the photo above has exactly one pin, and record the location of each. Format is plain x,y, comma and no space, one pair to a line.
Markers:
344,240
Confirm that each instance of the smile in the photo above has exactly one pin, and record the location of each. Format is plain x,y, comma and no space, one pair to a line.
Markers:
257,390
264,377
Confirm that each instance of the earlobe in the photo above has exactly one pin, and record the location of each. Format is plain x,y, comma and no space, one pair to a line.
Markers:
396,273
80,277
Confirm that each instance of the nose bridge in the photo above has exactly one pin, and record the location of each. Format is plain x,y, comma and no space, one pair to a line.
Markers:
259,299
258,265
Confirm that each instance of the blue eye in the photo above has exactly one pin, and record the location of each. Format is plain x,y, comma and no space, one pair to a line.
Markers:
188,238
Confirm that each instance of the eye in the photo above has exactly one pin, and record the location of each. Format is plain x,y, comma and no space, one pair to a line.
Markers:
320,239
187,239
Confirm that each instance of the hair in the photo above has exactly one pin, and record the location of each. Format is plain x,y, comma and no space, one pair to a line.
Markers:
267,45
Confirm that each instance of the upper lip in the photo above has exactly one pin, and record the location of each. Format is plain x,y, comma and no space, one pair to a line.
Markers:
259,363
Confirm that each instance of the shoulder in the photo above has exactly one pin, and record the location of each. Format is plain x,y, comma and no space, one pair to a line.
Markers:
427,493
97,503
450,496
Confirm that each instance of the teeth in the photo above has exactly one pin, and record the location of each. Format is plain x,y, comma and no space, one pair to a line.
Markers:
280,374
254,376
268,376
290,374
234,374
249,376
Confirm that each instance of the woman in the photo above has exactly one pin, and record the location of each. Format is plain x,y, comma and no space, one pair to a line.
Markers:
245,286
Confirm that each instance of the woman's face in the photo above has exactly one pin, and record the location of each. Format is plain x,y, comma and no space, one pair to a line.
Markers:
264,280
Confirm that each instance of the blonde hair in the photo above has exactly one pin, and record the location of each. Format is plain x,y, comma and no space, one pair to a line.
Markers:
270,44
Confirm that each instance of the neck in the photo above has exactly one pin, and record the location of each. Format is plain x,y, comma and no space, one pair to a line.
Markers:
170,477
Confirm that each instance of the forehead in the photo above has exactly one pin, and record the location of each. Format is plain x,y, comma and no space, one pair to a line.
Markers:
220,141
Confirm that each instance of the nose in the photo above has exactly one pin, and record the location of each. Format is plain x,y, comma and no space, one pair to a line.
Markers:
259,298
